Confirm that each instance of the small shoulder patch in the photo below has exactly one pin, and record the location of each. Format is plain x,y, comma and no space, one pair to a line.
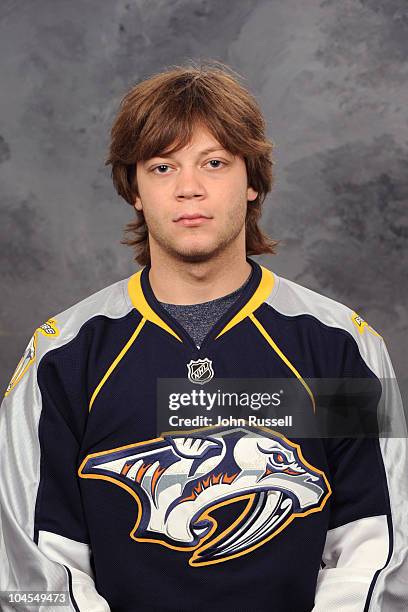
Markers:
48,329
363,325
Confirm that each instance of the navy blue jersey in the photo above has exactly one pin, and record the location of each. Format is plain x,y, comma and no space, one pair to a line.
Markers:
95,503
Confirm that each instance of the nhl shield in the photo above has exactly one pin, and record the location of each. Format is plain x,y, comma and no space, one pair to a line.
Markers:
200,370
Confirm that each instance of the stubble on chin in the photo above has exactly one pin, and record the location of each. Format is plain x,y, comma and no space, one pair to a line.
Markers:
198,253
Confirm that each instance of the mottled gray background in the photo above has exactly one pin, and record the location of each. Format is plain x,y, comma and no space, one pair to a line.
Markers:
331,78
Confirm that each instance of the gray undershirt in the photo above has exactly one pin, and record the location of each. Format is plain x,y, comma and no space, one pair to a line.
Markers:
198,319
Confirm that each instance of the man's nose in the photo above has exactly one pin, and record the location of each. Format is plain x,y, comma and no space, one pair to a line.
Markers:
189,184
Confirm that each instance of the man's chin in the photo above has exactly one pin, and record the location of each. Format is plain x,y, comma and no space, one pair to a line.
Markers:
197,254
199,250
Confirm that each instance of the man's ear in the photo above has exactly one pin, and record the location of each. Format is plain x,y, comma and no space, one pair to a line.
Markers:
251,194
138,203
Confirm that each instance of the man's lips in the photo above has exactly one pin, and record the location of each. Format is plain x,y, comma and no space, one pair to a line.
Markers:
192,220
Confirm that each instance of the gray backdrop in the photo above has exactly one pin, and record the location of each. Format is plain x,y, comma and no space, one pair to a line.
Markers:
331,78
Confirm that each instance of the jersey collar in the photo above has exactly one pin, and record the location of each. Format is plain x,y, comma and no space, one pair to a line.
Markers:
254,294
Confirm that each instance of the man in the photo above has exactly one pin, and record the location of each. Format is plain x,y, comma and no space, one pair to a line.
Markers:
97,503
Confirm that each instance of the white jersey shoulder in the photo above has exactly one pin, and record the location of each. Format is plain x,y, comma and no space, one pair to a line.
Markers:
111,301
292,299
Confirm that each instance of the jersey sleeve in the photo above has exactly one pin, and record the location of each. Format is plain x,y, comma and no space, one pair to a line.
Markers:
44,544
365,558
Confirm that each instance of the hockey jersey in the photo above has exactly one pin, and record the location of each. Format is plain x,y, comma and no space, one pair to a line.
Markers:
95,504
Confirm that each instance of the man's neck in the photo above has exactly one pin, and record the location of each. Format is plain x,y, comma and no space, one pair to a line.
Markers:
179,282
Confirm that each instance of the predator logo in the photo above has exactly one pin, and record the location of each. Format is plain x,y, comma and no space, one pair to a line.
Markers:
179,481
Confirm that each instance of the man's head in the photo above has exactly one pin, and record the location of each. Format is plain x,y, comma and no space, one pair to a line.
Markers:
202,178
161,164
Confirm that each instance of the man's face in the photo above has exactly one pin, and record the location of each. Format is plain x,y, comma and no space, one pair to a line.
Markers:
193,181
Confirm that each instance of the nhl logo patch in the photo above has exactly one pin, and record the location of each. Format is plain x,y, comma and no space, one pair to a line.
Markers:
200,370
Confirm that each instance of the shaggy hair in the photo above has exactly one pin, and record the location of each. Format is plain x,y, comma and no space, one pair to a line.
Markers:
159,114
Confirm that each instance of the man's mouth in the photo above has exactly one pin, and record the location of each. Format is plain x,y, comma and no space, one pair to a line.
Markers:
192,222
192,219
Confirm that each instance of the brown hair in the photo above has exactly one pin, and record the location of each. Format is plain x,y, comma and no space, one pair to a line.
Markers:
162,111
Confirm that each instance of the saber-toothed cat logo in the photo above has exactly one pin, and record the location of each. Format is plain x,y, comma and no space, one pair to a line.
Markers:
177,481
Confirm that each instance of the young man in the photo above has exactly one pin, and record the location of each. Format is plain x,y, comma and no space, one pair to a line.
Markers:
95,502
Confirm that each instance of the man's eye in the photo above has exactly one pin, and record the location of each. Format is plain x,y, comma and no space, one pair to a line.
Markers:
161,166
218,161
